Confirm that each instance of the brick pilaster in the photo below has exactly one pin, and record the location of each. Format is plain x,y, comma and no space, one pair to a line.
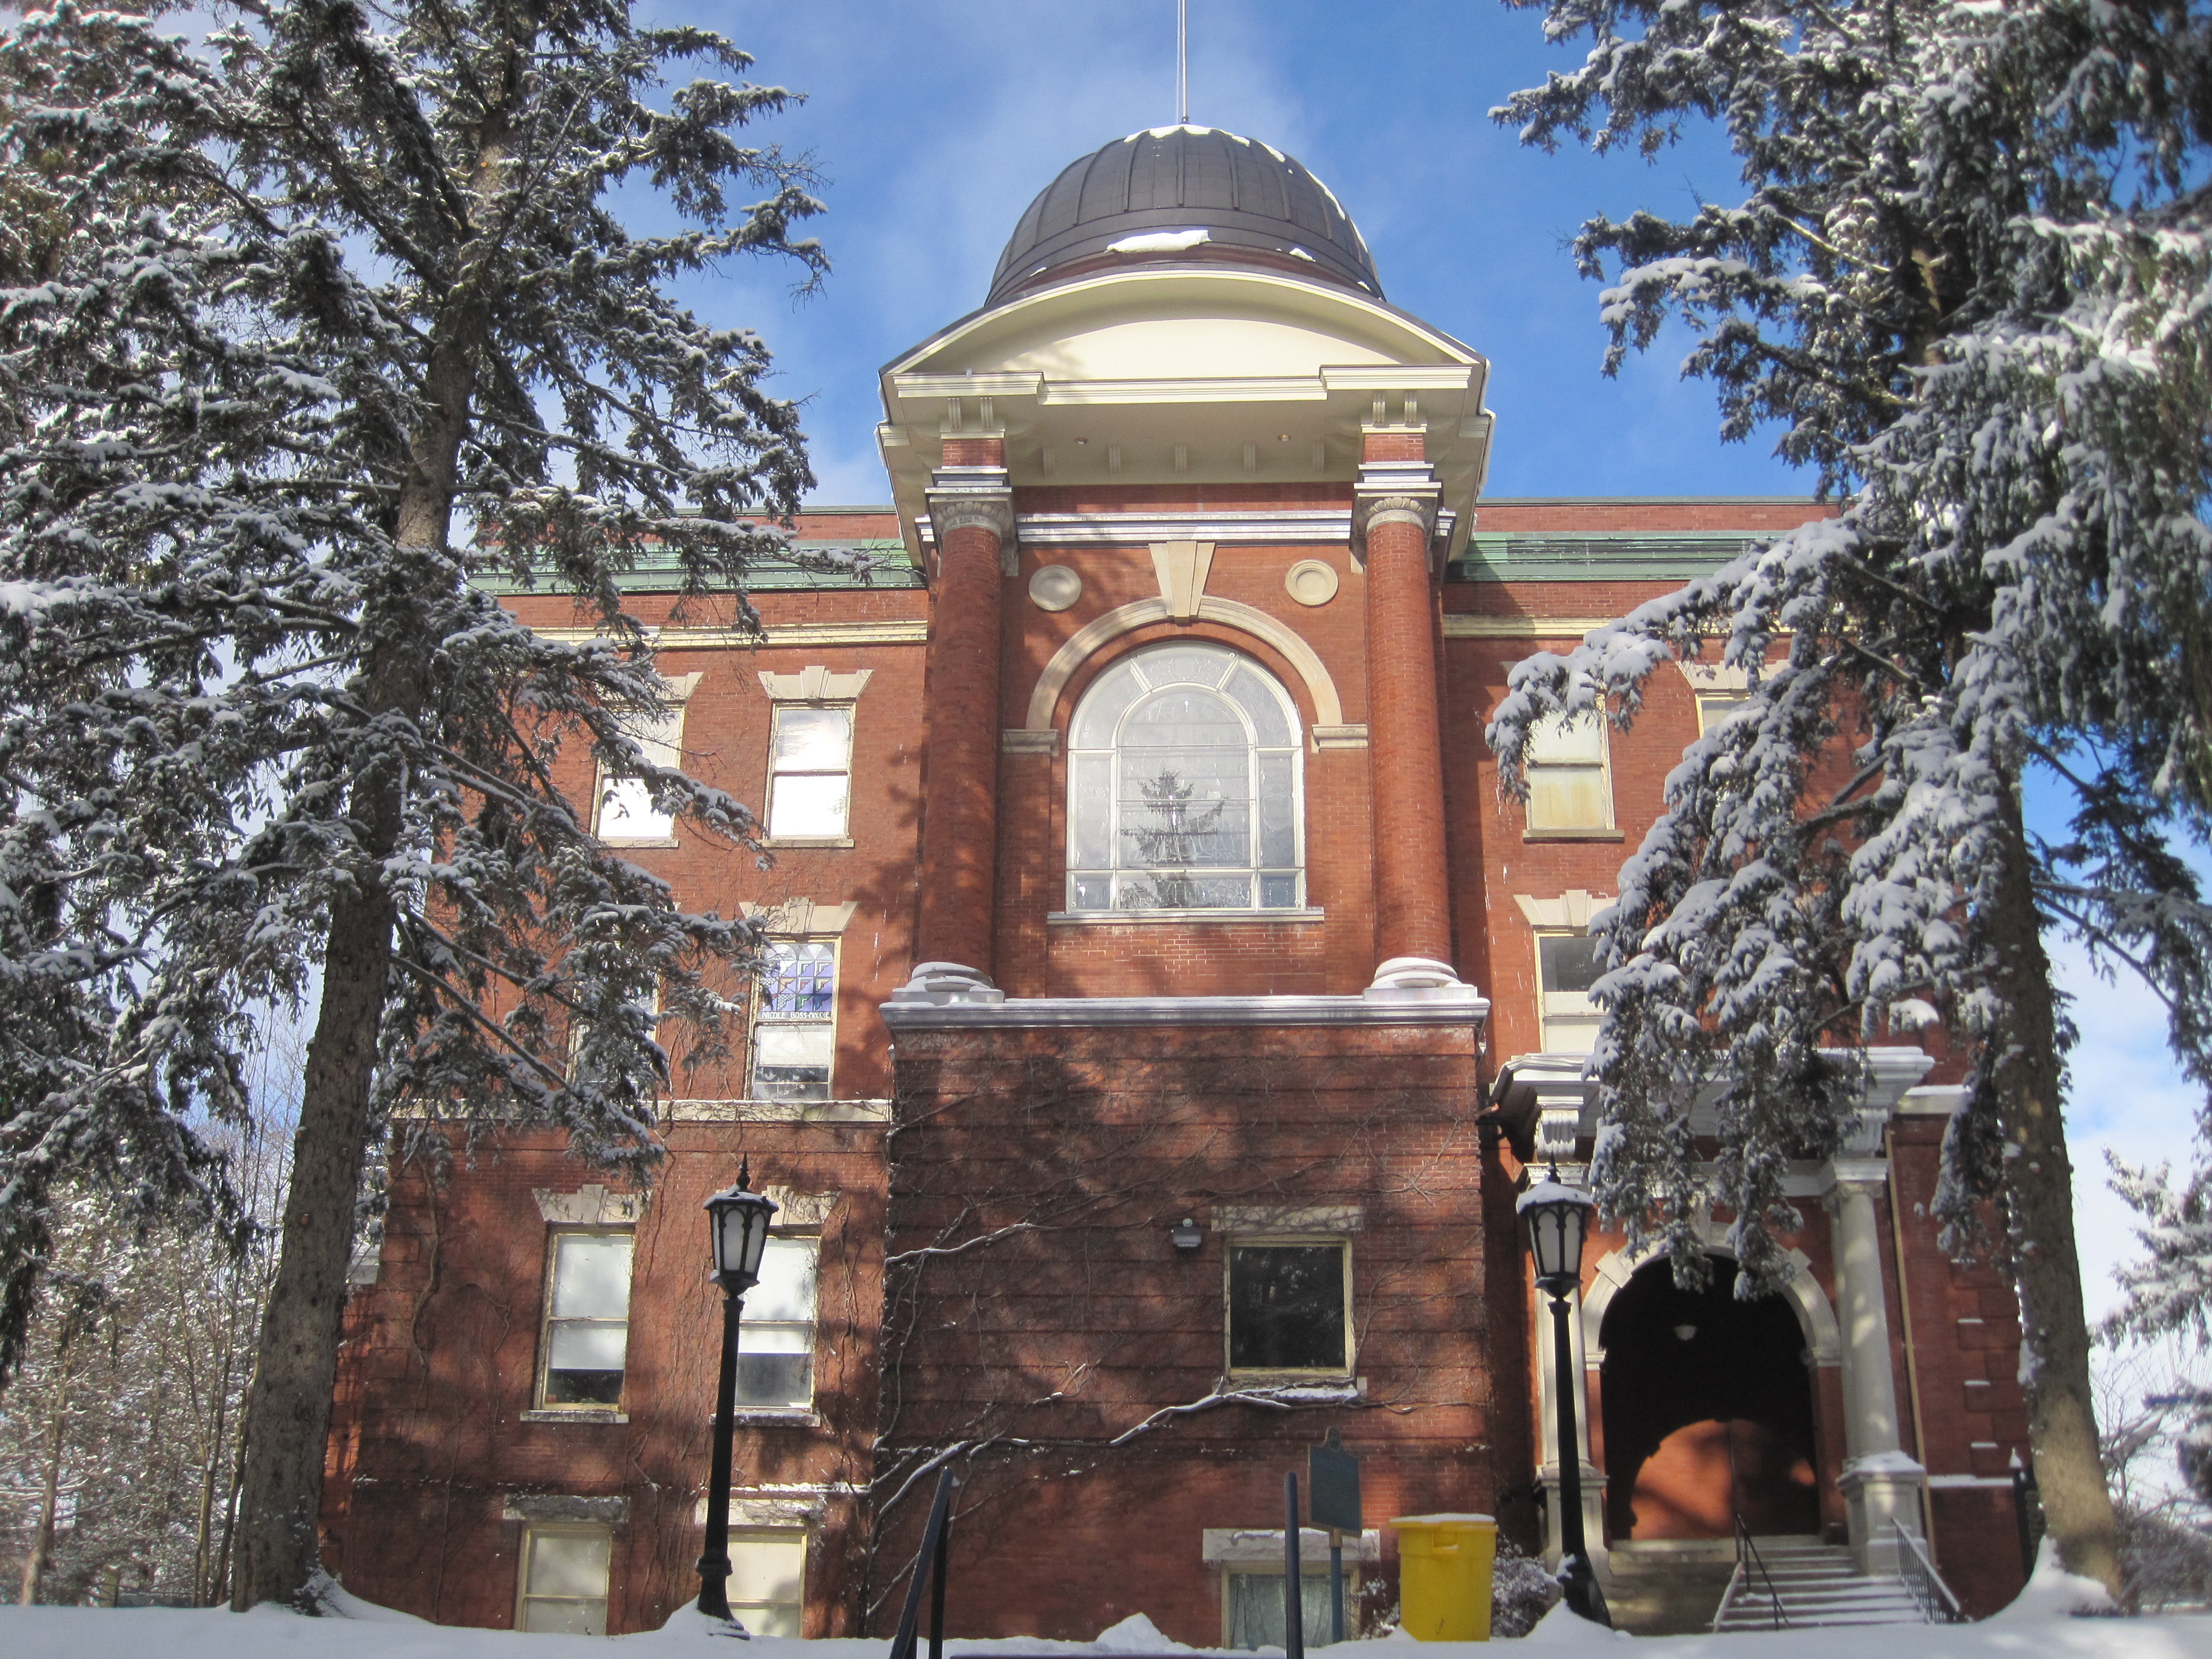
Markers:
971,512
1396,512
1412,910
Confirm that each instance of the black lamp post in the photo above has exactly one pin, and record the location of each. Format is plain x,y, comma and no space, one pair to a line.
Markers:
738,1221
1558,1216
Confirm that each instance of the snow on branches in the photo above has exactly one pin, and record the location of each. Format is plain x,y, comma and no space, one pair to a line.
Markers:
274,310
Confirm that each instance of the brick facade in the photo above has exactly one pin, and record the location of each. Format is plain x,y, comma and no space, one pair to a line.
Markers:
1000,1163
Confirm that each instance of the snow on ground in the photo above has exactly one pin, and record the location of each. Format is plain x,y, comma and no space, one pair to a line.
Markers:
2039,1626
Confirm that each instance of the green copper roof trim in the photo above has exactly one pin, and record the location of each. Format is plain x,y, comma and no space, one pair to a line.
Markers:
657,573
1597,555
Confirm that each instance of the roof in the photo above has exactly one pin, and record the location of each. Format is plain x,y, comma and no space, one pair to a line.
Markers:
1191,195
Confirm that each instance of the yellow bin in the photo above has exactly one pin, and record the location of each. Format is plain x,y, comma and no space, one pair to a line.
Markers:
1443,1576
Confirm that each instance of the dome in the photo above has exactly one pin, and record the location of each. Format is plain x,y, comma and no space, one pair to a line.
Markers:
1190,194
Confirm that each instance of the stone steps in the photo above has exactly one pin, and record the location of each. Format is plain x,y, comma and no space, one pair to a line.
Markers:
1819,1586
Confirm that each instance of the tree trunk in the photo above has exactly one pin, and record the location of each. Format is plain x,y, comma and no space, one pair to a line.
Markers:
42,1535
2039,1199
288,1411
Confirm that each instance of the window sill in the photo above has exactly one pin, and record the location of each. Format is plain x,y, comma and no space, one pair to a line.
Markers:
769,1417
637,841
807,840
1179,918
1333,1381
574,1415
1571,835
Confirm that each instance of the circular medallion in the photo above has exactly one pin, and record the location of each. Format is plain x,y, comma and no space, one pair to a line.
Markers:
1309,581
1055,587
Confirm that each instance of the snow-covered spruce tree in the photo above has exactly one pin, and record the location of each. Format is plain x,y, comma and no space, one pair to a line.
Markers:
299,308
1970,277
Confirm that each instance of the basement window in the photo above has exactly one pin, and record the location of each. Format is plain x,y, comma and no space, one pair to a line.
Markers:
1253,1605
564,1580
767,1572
1289,1306
586,1335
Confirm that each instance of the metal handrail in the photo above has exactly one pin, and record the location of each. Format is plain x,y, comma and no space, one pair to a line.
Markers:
930,1560
1923,1581
1743,1546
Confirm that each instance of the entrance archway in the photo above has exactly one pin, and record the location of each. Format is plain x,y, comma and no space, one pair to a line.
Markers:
1708,1410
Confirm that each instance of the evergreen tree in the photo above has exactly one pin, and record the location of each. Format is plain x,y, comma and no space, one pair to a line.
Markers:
1969,277
305,330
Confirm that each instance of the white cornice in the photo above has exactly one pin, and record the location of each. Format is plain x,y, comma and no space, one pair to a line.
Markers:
1286,527
1523,627
776,636
1470,1010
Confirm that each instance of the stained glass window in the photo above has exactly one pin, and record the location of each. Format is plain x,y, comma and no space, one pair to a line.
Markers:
1184,784
794,1022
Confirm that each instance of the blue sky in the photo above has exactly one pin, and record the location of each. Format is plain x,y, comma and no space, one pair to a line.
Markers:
934,124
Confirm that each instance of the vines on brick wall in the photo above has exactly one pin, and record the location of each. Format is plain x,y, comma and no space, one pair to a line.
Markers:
1040,1326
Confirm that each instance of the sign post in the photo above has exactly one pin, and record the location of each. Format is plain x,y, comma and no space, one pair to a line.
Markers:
1332,1478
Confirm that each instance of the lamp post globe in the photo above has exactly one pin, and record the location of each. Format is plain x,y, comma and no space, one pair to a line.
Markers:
1558,1218
737,1223
739,1219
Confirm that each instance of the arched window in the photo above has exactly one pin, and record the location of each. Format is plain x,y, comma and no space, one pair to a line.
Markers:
1183,787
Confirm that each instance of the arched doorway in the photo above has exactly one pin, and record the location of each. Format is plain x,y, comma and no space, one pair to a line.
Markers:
1708,1409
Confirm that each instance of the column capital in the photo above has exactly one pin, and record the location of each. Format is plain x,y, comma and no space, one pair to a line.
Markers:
1394,492
1864,1177
972,498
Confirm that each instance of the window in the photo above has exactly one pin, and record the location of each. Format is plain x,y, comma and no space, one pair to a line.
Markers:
767,1572
795,1021
587,1321
1287,1306
626,810
564,1580
809,773
1718,708
1183,787
1566,966
1255,1613
776,1361
1568,788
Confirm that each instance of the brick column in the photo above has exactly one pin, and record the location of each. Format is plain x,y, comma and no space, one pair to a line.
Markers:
971,512
1394,512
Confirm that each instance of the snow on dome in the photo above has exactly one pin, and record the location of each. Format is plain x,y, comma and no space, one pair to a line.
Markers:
1211,197
1159,241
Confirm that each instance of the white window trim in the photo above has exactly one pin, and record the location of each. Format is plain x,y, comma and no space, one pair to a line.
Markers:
1544,1012
678,693
1610,828
768,795
1260,1374
534,1529
1296,752
814,686
542,1409
742,1533
802,1227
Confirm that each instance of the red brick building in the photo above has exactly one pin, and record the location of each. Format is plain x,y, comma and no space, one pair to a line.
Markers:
1165,1007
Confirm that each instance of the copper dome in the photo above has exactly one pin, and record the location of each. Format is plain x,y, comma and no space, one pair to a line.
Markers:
1190,195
